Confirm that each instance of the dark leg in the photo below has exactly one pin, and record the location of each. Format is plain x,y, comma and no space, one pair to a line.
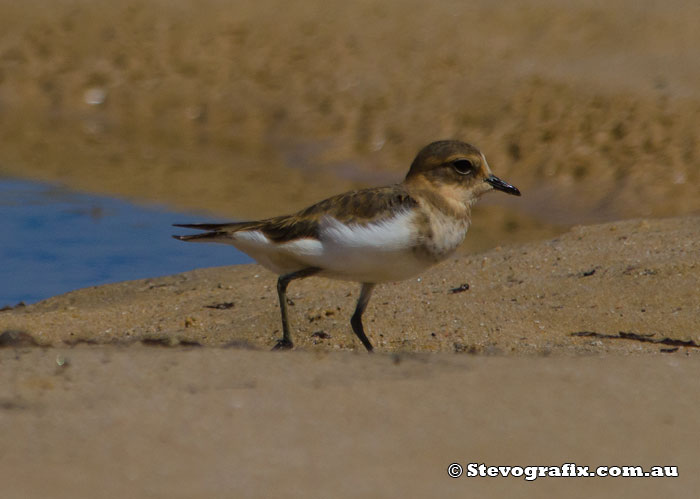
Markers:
356,320
282,283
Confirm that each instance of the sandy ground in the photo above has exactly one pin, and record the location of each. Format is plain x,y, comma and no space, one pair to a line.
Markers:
529,299
571,343
581,349
151,422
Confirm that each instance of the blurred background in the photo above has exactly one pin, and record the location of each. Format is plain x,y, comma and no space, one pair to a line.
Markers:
247,109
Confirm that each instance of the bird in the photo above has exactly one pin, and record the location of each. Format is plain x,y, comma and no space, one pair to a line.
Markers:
370,236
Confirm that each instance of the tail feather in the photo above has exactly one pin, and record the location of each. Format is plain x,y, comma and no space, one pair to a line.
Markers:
217,232
230,225
203,238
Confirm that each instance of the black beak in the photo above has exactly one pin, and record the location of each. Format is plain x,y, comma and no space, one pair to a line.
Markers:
499,184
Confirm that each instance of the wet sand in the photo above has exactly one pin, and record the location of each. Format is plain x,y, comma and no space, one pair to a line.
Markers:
571,344
207,107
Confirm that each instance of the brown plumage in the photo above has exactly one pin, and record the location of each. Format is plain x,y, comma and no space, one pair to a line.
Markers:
354,207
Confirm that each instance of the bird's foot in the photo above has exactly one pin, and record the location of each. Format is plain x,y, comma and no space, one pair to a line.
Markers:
283,344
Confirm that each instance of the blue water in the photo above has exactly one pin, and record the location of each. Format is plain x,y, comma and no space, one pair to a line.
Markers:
53,240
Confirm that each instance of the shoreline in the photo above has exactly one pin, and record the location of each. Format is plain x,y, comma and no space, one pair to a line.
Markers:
533,298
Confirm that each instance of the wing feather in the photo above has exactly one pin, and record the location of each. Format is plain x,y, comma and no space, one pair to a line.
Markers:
352,208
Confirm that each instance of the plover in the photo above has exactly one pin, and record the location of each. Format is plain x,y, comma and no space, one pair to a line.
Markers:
371,235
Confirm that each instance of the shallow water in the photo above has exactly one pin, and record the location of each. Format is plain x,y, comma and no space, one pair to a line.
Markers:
54,240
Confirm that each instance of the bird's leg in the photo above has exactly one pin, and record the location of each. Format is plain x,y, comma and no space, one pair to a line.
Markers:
282,283
356,320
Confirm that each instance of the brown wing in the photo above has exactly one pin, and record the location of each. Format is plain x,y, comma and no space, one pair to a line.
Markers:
354,207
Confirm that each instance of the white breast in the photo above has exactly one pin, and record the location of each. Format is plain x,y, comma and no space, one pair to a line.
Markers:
389,250
375,252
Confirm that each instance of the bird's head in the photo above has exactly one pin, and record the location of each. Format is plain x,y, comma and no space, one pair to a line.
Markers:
457,170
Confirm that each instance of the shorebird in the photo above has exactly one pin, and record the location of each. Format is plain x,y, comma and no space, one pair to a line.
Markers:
369,236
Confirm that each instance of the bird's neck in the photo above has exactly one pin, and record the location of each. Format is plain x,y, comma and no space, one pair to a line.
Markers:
448,199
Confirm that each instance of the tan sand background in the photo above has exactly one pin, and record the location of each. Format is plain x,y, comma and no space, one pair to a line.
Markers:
592,109
570,345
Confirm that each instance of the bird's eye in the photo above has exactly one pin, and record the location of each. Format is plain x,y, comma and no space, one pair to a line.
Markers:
463,166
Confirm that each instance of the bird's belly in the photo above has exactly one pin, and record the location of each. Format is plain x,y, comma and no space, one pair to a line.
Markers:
349,263
373,266
390,250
